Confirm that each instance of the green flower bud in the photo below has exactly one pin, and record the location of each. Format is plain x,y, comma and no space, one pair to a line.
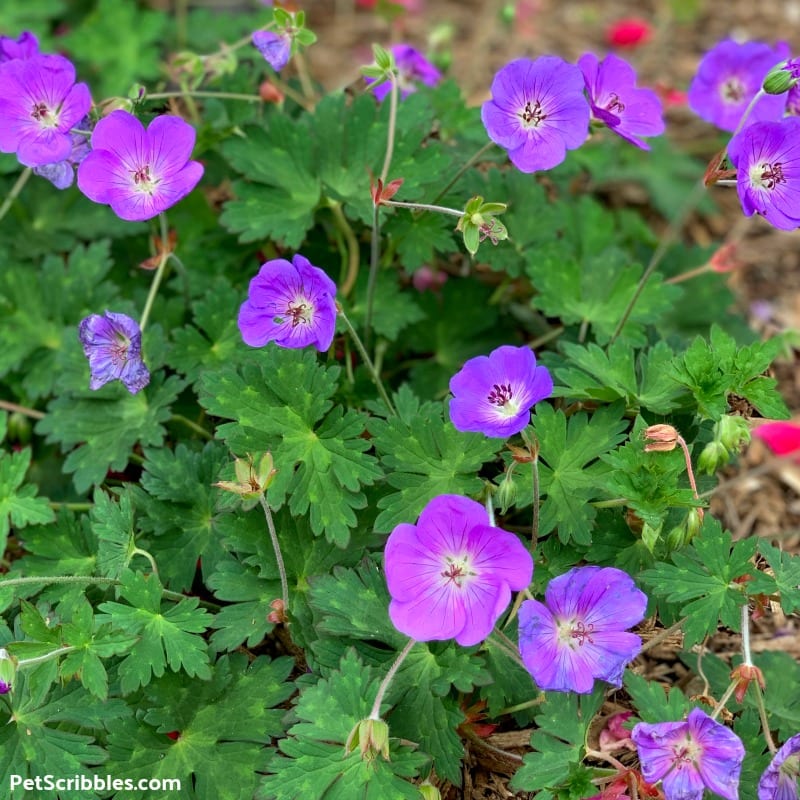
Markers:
714,456
782,77
429,791
371,737
8,671
506,493
733,432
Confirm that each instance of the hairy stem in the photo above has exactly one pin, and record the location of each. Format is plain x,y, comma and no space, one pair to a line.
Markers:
157,278
387,159
15,190
453,212
375,713
276,546
32,662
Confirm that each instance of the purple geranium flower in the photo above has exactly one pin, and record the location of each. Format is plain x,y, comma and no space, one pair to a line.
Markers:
290,303
615,100
537,112
26,46
62,173
494,394
451,575
580,633
412,69
728,78
767,160
113,344
690,756
139,172
39,103
779,781
276,48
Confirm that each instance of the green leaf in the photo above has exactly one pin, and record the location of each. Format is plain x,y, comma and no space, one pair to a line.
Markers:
786,568
655,702
424,457
112,523
704,574
167,638
570,472
420,238
19,505
99,432
283,398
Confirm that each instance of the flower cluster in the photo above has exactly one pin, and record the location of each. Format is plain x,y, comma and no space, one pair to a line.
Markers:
541,108
451,575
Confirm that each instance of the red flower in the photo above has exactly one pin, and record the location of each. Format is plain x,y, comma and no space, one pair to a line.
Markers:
783,438
628,32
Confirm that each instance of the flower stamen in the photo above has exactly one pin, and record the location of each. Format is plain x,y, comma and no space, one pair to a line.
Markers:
532,115
500,394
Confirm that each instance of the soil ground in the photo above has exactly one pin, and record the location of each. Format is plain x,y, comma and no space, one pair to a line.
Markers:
760,495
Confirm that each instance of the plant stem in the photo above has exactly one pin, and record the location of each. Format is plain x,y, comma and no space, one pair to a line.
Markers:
490,509
462,169
664,243
70,506
30,662
376,378
305,78
17,409
453,212
725,697
353,255
688,458
506,645
139,552
537,701
692,273
162,218
762,713
666,633
250,98
276,546
15,190
535,516
372,278
193,425
746,654
615,503
375,713
387,159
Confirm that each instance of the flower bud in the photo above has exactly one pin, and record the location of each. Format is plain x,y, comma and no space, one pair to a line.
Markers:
733,432
251,482
429,791
371,736
660,438
782,77
506,493
714,456
8,671
744,675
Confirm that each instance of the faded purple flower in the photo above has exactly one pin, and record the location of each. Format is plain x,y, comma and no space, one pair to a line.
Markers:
39,103
780,778
494,394
276,48
537,112
139,172
579,634
690,756
728,78
290,303
113,344
62,173
793,101
451,575
615,100
26,46
412,69
767,160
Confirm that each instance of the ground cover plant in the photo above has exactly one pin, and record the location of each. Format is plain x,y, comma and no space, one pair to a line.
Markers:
343,430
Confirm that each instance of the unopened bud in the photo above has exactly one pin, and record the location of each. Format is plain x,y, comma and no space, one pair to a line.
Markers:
713,456
8,671
660,438
429,791
733,431
270,93
506,493
744,675
371,737
783,77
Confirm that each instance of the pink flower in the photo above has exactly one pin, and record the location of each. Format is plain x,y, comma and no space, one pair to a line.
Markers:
629,32
783,438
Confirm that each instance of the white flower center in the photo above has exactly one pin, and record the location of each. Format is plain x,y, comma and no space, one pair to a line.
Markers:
457,571
44,115
532,115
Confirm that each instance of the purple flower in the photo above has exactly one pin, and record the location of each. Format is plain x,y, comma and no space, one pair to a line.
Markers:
767,160
580,633
779,781
451,575
62,173
537,112
139,172
412,69
113,344
39,103
26,46
615,100
276,48
728,78
290,303
793,101
494,394
690,756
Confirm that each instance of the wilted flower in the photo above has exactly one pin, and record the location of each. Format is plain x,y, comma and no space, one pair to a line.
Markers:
113,344
690,756
290,303
25,46
728,78
579,634
39,104
537,112
660,438
767,160
139,172
779,781
412,69
451,575
275,47
494,394
627,111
